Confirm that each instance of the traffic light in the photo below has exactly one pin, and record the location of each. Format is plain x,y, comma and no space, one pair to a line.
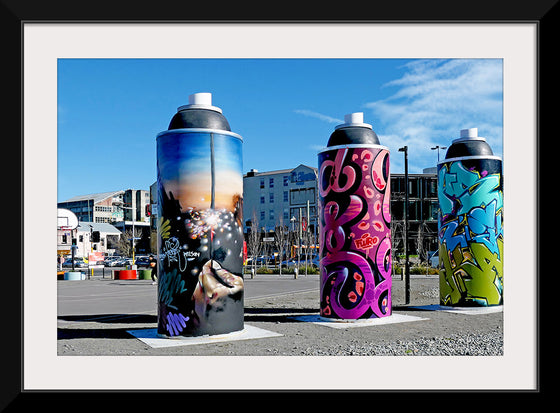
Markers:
95,236
148,210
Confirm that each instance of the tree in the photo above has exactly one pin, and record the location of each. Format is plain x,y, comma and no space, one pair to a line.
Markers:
125,241
424,235
253,240
309,241
153,241
397,235
281,240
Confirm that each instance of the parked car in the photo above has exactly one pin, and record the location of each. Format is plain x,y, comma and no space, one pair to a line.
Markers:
315,261
261,260
292,262
143,261
120,262
111,261
123,262
78,263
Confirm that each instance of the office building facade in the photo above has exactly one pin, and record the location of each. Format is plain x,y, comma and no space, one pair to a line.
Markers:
284,197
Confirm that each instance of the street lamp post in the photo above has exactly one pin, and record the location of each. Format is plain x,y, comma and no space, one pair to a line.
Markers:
90,250
437,147
406,264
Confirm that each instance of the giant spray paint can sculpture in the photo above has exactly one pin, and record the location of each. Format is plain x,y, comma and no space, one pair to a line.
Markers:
470,223
200,231
354,224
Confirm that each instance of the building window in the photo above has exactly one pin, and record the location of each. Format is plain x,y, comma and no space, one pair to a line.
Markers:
262,215
271,215
271,182
262,182
262,199
431,188
286,180
271,197
397,210
301,196
286,198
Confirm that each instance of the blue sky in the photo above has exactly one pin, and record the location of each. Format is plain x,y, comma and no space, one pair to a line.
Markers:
111,110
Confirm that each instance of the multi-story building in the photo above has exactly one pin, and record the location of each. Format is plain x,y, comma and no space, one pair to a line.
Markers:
285,197
100,207
110,207
125,210
85,242
423,209
280,196
85,237
136,219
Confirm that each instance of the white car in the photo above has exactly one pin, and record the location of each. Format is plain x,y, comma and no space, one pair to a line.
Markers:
78,263
111,261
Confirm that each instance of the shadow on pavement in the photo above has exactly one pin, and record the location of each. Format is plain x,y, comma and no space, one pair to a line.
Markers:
276,314
104,333
111,318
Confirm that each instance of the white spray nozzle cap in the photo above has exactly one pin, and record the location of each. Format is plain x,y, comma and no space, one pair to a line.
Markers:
469,133
354,119
357,117
200,101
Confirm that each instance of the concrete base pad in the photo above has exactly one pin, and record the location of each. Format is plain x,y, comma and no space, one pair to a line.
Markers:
341,323
462,310
151,337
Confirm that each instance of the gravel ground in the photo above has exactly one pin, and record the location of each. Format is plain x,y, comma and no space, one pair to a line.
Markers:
490,344
442,334
438,334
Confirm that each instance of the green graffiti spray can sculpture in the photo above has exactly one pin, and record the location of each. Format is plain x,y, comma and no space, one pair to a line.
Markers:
199,231
470,223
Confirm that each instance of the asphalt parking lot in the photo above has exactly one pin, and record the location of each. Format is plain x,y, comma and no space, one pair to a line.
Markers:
102,316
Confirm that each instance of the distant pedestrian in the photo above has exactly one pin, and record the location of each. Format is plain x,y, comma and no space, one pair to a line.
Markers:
153,265
60,262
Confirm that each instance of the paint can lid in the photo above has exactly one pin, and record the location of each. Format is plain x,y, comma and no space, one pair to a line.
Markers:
469,144
353,131
199,113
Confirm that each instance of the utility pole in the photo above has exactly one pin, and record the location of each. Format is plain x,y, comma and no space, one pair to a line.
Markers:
406,264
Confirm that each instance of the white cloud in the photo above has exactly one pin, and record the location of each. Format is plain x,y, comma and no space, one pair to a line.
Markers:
433,101
318,115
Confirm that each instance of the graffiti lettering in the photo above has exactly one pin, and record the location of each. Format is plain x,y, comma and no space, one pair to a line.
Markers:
335,236
366,241
462,188
338,173
171,250
470,236
355,267
472,274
